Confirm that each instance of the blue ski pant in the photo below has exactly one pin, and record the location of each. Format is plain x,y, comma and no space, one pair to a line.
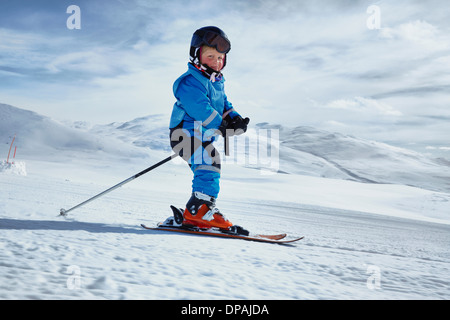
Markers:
201,156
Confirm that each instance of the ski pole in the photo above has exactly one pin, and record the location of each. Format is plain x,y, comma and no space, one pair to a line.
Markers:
226,138
226,145
64,212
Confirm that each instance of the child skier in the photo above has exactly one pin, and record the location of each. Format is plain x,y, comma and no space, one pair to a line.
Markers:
201,112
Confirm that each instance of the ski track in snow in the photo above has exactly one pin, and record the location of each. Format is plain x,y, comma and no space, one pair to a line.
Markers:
42,256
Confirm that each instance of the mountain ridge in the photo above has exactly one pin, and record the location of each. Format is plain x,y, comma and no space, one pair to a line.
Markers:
301,150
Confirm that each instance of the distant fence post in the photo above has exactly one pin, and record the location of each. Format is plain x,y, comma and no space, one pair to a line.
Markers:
7,159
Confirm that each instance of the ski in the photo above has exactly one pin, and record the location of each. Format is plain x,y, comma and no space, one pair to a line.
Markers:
217,233
174,224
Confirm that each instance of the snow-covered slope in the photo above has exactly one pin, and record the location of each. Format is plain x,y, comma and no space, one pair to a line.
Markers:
362,240
40,137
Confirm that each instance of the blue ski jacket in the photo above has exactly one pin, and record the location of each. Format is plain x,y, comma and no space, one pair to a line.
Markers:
199,100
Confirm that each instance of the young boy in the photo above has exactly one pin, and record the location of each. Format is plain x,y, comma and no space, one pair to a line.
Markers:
201,112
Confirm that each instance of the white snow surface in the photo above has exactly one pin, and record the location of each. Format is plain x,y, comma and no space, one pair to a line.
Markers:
13,167
376,219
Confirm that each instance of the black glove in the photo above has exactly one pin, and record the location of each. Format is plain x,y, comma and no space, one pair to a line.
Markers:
232,127
239,125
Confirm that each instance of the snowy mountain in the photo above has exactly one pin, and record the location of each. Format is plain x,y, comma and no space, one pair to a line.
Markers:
301,150
363,160
312,152
147,132
40,137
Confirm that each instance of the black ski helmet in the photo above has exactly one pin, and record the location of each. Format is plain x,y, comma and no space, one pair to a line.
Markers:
212,37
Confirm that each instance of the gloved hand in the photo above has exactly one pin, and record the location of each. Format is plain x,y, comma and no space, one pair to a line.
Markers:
239,125
234,126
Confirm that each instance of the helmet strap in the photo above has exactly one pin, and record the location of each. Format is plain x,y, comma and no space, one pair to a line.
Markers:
210,73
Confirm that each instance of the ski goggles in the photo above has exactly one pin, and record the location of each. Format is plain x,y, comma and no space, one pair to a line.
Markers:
211,39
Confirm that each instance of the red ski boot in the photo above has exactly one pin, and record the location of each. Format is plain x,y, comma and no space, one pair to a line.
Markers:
201,212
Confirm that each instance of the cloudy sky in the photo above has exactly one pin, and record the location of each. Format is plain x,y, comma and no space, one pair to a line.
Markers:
375,69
